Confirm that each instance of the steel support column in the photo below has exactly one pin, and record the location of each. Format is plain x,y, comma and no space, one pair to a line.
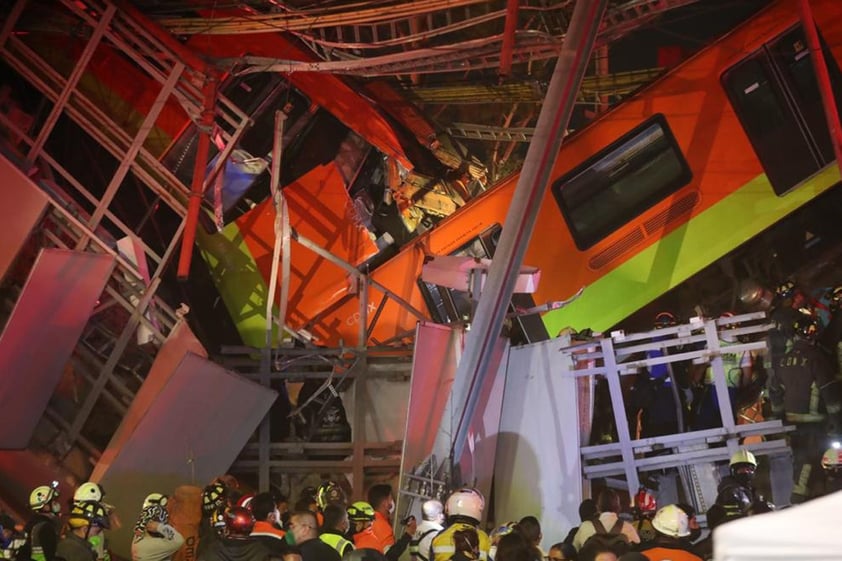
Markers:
205,126
520,219
831,112
508,38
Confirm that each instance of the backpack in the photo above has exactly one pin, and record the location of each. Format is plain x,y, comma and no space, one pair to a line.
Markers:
613,539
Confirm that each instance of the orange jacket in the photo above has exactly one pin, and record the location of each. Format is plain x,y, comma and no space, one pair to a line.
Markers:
659,553
263,528
383,532
367,540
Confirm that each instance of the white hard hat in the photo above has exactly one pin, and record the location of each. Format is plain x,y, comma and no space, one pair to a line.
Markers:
432,510
671,521
89,491
743,456
42,495
466,502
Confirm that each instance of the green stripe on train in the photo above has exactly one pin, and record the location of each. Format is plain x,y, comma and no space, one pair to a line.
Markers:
238,281
684,252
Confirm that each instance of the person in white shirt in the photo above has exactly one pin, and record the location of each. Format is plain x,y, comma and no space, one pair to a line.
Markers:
432,514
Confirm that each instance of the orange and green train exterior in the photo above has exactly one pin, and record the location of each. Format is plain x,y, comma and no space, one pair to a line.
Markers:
606,224
718,197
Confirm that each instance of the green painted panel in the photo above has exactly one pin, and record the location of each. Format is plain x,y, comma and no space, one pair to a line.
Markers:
238,280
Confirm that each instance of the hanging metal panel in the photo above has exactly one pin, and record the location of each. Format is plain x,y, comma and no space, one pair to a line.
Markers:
43,330
21,206
187,427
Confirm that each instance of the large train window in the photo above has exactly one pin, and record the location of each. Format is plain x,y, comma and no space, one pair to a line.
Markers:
775,95
621,181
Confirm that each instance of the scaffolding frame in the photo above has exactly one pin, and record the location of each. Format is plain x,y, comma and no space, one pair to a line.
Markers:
615,355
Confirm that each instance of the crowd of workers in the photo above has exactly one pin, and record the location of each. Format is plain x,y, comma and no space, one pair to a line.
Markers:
795,379
799,375
324,526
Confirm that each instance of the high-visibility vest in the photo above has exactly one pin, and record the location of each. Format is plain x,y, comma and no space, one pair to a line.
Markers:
443,546
337,542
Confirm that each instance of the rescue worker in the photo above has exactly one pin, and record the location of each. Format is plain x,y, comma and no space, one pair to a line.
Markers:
154,539
803,388
267,520
91,492
463,510
304,534
655,402
738,374
742,467
237,545
381,500
335,527
330,492
214,502
361,517
645,507
671,542
432,522
87,519
10,539
832,468
42,530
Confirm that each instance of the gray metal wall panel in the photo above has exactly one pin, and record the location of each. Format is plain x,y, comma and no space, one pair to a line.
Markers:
21,205
42,332
180,341
192,432
538,468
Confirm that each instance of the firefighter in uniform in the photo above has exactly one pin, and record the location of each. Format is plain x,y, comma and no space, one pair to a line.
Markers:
464,511
805,392
743,467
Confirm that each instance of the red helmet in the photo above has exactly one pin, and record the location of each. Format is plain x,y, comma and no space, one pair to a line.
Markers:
664,319
245,501
645,502
239,521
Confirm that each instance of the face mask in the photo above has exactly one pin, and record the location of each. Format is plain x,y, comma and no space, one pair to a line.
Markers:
55,507
290,538
391,507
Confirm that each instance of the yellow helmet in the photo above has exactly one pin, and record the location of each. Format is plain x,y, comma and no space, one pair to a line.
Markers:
360,511
85,513
743,456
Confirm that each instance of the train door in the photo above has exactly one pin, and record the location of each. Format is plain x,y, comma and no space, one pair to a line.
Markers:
775,95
